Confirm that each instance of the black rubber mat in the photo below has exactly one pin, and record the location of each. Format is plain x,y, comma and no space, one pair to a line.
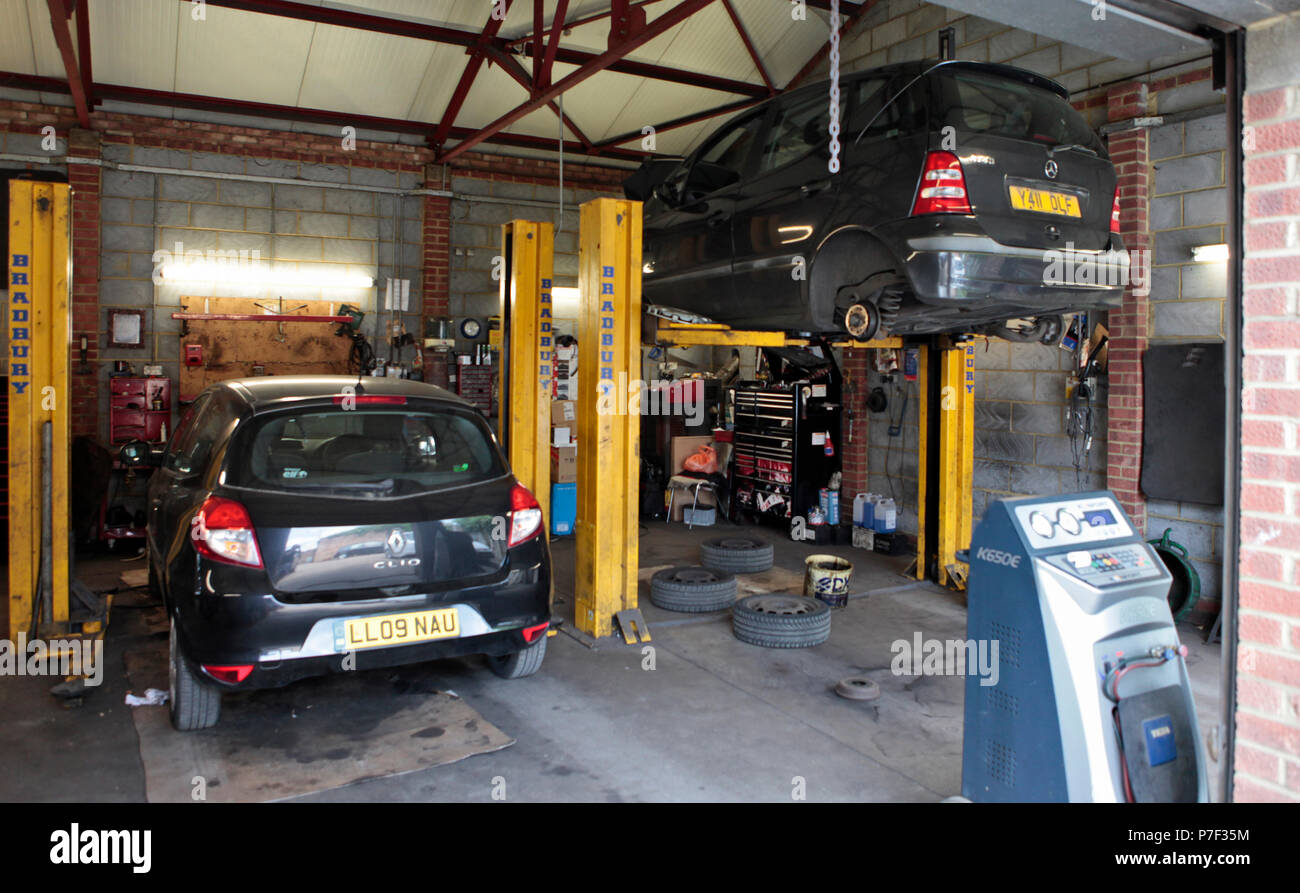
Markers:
1183,427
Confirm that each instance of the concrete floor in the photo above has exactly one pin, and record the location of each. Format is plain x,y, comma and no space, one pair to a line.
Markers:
714,720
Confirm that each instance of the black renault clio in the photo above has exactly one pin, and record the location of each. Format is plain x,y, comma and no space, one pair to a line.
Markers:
307,524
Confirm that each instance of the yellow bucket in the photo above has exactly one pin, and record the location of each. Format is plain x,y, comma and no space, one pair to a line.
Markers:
826,577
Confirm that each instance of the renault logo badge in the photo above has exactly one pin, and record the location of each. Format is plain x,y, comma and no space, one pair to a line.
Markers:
396,543
1051,169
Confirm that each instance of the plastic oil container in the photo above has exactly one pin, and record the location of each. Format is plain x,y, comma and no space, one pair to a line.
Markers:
886,516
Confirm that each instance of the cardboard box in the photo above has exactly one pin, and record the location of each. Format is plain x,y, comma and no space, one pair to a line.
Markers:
564,465
563,412
562,436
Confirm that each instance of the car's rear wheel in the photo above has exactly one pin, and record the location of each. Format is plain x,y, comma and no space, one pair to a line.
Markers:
193,702
522,663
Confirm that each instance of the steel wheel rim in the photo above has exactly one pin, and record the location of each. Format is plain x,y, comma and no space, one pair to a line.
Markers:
783,605
694,575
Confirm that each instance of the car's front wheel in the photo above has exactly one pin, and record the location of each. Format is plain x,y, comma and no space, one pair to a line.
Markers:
522,663
193,702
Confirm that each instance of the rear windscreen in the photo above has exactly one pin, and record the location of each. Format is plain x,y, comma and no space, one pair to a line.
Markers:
363,452
987,103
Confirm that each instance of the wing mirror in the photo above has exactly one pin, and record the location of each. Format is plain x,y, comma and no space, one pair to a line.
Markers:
140,454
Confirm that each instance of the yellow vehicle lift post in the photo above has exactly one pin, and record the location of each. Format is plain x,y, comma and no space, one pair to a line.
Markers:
40,338
609,420
952,435
956,460
527,348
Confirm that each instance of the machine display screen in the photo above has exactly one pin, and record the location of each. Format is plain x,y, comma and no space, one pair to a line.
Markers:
1098,518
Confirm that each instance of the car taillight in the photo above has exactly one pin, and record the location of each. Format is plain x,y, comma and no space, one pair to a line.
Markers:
943,186
533,633
1114,213
223,531
525,516
228,674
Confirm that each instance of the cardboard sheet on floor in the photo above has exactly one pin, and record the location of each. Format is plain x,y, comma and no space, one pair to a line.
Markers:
312,736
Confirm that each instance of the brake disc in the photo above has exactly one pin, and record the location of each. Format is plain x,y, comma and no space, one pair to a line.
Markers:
857,688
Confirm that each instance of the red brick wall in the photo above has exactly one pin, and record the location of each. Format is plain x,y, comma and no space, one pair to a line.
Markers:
1128,324
84,179
437,254
853,462
1268,656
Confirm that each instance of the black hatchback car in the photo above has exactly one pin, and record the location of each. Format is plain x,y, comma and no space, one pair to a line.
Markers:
307,524
969,194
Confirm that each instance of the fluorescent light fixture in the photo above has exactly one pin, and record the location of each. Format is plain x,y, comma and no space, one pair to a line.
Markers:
236,273
1204,254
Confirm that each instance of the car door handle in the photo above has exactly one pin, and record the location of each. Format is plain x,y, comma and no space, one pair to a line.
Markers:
814,186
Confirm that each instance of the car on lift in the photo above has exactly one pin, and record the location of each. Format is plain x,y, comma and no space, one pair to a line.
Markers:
300,525
969,195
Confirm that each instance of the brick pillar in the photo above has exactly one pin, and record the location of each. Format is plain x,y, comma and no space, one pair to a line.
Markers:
84,179
1129,324
437,255
436,278
853,462
1267,765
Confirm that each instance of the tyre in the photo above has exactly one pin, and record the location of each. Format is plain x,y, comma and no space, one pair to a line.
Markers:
522,663
692,590
193,702
781,621
736,555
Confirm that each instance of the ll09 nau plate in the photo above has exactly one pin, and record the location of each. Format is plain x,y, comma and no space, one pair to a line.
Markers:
1044,201
384,630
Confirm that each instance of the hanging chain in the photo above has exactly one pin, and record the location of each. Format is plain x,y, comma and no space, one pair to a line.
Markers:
834,163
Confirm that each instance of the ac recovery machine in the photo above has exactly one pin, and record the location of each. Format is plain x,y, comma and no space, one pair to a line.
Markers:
1092,701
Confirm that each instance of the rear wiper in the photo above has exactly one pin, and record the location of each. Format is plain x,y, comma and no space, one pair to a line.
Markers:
1066,147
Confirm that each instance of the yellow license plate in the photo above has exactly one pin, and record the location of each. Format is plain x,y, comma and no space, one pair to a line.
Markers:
384,630
1044,201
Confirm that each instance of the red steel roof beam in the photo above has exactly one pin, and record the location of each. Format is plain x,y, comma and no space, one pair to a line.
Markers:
59,14
665,22
511,66
539,22
294,113
749,45
440,34
556,29
83,52
467,77
552,44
